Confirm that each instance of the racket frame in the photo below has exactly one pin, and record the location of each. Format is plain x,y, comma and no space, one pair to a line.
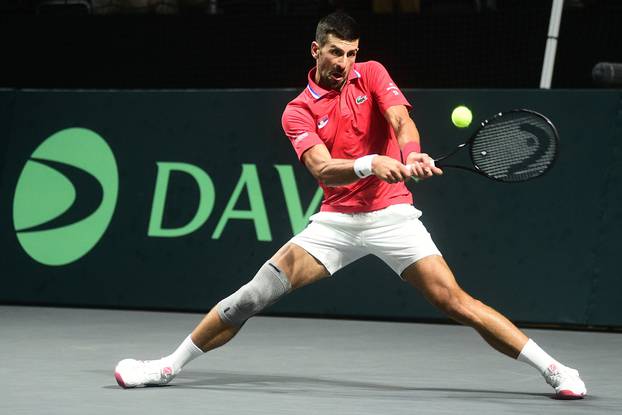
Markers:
483,124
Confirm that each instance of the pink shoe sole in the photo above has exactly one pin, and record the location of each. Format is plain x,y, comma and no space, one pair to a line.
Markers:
119,379
568,395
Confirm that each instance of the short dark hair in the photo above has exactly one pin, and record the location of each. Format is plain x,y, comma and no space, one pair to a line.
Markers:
338,24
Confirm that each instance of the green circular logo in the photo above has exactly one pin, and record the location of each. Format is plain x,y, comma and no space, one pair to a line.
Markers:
65,196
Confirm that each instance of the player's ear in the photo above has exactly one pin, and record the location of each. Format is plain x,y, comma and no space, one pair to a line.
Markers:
315,49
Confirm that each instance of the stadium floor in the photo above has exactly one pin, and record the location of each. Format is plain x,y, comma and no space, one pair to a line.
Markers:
61,360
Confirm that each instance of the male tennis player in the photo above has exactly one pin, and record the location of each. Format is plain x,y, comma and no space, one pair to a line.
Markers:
350,127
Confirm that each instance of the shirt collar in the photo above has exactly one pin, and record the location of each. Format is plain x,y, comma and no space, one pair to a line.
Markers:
317,91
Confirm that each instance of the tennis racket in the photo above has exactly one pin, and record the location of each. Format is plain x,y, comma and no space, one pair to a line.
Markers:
512,146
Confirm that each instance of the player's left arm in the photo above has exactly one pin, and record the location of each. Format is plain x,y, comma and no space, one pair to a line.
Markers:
408,140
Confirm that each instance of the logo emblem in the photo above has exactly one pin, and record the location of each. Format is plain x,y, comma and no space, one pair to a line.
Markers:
361,99
301,137
65,196
322,122
393,88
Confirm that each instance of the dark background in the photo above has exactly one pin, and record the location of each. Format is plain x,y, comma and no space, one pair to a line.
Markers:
265,44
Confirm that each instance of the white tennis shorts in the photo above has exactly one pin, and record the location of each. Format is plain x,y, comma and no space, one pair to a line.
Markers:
393,234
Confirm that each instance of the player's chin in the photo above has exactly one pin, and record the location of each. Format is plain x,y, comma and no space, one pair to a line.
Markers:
334,84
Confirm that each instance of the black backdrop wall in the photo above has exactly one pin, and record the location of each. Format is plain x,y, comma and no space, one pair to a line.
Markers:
262,49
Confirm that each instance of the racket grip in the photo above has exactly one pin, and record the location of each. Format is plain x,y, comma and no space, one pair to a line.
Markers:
413,178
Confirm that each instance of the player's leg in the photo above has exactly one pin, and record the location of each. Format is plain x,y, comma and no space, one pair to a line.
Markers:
290,268
318,251
432,276
401,240
434,279
291,261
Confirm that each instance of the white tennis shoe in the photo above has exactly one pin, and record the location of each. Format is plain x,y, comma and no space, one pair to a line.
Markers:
131,373
566,381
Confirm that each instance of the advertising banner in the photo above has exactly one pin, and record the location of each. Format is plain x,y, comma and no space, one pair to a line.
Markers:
173,199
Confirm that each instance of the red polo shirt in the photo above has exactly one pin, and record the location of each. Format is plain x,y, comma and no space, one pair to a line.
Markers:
351,124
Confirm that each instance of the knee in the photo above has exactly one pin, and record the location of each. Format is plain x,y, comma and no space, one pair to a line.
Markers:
458,305
264,289
249,300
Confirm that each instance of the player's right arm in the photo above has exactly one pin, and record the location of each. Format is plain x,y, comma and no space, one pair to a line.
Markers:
339,172
300,128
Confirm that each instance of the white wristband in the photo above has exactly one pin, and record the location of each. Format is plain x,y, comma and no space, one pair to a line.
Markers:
362,165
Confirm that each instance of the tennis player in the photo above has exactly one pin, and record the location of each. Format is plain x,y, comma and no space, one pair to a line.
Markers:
350,127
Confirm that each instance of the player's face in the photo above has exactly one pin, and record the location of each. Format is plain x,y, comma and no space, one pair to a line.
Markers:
335,59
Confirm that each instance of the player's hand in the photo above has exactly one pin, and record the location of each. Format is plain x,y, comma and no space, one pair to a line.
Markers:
389,169
422,166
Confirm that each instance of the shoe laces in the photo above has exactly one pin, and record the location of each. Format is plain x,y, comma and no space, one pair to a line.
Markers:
158,369
555,374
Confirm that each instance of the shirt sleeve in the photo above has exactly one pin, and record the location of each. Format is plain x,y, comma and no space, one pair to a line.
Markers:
299,127
384,90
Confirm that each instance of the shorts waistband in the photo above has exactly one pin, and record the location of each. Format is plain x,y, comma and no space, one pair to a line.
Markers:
399,211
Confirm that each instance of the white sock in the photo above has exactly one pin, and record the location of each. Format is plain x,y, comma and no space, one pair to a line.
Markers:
186,352
533,355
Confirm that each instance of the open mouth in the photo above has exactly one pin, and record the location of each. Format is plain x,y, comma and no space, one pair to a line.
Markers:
337,76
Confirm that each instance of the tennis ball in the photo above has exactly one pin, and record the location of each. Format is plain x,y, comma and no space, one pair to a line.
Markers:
461,116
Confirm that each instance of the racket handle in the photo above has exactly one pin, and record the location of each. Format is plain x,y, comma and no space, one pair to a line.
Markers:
413,178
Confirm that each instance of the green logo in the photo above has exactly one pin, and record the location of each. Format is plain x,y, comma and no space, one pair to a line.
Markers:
65,196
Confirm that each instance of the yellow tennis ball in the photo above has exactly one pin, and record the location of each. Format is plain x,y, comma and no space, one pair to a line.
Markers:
461,116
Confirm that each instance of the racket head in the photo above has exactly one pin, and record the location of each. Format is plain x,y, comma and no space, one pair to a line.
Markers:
514,146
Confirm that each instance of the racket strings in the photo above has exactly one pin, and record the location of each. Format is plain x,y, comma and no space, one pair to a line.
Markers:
515,147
